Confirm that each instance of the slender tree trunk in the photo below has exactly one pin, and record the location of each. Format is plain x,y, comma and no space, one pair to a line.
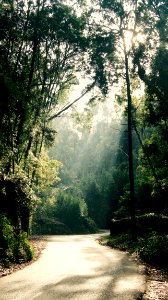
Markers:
130,153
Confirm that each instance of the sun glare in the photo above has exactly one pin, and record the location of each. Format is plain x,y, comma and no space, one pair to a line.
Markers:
131,38
128,39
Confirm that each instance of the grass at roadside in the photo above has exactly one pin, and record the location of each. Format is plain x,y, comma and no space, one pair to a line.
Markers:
152,248
149,249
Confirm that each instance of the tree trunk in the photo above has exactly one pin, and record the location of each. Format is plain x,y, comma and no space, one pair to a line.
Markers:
130,153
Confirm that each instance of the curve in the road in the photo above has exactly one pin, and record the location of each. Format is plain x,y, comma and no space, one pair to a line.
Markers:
76,268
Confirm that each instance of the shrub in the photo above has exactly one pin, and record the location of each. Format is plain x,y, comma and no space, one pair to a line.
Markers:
7,238
154,250
153,222
145,224
120,226
89,226
14,247
121,241
49,226
22,250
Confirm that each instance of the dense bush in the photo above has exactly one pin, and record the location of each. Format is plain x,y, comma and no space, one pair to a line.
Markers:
121,241
154,250
152,243
13,244
49,226
53,226
119,226
88,225
18,200
152,222
145,224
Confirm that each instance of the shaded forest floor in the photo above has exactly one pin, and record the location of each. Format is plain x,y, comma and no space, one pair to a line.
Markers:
156,279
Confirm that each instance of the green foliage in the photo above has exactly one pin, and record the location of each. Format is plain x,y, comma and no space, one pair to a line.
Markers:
22,249
43,47
48,225
145,224
102,174
150,59
88,225
90,167
15,246
119,226
67,210
156,149
71,210
122,209
122,241
153,119
54,226
7,240
65,215
154,250
47,171
152,222
18,200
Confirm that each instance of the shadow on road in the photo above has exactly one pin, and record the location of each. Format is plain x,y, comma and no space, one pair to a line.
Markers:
76,268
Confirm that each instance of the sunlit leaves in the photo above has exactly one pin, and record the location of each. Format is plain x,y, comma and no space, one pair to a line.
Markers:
47,170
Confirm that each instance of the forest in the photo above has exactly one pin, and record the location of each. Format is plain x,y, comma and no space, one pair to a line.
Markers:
84,122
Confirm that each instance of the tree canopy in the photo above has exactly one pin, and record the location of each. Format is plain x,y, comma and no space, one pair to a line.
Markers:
120,49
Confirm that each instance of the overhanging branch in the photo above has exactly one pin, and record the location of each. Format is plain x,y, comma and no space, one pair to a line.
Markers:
68,105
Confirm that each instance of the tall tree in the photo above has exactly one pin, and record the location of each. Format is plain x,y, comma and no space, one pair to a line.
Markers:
126,20
121,18
44,45
150,59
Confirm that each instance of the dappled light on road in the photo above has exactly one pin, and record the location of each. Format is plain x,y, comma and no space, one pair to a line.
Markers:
78,268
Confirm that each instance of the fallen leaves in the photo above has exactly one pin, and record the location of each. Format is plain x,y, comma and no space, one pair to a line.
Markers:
157,284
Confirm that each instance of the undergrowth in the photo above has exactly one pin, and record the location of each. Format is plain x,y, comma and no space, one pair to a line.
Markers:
14,247
152,248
